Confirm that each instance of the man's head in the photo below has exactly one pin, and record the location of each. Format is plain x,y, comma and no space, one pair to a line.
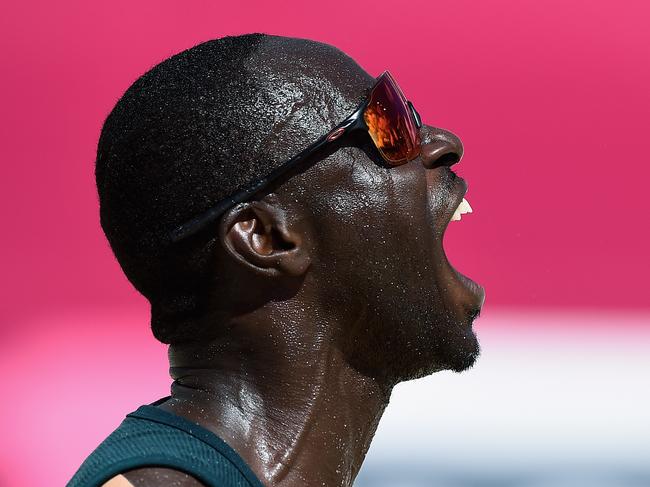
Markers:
351,249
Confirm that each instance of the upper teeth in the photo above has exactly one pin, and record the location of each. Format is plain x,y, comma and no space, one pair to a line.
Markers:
461,210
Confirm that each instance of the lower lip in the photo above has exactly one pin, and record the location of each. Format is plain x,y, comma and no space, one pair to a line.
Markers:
476,289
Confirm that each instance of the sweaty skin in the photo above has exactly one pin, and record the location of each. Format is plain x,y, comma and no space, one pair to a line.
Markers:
329,290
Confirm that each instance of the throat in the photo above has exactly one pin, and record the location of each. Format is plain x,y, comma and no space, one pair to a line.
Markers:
294,426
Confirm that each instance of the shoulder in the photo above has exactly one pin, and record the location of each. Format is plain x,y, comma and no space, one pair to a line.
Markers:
153,477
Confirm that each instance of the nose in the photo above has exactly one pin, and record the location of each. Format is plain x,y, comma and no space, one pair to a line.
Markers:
439,147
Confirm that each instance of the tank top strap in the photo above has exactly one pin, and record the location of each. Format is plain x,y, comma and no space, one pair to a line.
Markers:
150,436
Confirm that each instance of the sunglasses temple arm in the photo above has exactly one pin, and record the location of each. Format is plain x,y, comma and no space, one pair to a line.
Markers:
201,221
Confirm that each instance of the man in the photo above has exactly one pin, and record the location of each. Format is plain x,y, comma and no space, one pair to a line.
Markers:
292,303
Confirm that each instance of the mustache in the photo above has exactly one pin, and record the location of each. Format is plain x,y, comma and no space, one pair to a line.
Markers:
448,179
441,194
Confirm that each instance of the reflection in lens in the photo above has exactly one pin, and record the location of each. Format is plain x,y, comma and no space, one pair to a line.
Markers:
389,122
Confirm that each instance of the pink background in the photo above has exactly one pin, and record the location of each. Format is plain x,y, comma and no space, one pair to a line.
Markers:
550,98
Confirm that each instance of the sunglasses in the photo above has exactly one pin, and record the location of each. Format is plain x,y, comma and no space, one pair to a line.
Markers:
386,115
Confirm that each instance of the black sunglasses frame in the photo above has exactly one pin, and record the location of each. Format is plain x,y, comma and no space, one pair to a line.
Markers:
353,123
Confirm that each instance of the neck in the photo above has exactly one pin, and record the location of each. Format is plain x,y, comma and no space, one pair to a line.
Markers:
296,411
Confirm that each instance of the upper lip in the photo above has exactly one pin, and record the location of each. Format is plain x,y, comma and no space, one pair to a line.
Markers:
460,189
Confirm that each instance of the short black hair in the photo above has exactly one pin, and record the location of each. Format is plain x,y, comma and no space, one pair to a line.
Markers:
187,133
176,142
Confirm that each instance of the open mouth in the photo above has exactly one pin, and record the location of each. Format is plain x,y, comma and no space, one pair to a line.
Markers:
471,295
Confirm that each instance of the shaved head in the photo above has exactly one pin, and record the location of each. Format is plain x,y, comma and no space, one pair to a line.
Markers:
193,130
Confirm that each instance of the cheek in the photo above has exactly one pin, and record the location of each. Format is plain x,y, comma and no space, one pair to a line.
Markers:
377,231
373,232
382,211
404,224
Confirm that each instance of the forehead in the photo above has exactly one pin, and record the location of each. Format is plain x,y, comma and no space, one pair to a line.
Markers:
294,57
302,89
318,75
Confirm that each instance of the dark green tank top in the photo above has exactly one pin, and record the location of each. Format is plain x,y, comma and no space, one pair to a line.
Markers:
150,437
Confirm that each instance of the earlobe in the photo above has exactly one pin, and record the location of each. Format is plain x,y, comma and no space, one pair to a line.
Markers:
257,235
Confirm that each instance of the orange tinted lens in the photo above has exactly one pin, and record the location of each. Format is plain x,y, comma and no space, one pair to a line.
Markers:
390,122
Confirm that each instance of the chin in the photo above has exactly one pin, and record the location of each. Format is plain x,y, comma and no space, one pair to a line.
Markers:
431,339
464,357
456,350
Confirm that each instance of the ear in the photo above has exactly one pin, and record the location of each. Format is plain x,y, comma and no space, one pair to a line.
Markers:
258,235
